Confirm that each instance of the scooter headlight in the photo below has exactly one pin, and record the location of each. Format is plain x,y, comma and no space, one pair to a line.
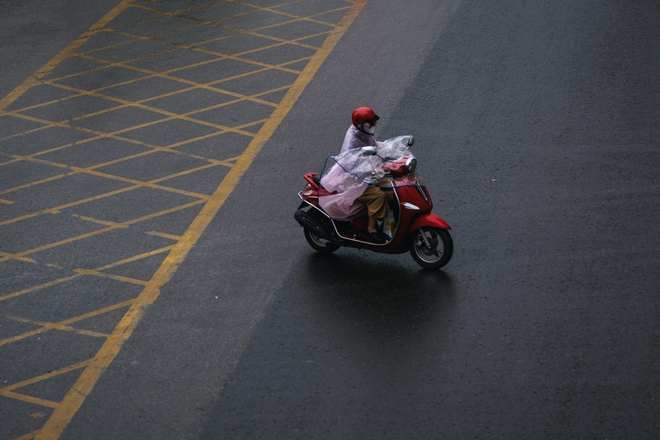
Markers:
411,165
402,166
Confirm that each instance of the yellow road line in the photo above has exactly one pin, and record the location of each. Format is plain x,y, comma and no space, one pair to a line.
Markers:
62,325
164,235
57,326
28,436
4,256
56,209
38,287
42,377
70,404
123,279
72,239
78,275
33,80
97,221
29,399
109,226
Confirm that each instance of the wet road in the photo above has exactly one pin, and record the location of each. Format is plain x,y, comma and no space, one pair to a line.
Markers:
536,131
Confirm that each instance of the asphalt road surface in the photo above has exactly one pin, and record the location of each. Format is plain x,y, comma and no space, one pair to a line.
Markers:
153,281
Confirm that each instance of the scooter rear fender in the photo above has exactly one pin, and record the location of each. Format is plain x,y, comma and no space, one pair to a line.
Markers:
429,220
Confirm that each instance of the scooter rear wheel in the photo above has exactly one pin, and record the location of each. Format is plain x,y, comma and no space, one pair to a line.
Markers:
431,248
319,244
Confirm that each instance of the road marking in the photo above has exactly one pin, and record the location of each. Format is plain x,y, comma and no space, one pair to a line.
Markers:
68,407
48,67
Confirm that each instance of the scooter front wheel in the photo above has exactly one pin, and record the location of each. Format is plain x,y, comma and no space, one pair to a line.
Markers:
319,244
431,248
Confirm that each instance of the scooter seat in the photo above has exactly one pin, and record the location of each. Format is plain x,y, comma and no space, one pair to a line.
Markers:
314,179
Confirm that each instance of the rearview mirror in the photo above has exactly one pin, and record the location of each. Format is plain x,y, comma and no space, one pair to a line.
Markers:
369,151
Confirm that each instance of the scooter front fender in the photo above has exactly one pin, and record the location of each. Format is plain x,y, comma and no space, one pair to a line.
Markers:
429,220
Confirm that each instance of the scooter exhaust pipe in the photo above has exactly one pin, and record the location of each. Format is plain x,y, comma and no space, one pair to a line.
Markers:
314,225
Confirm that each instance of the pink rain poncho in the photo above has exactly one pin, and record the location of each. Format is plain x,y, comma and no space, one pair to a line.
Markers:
356,139
353,170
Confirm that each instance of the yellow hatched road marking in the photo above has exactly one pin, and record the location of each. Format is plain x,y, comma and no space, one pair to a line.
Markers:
45,326
62,325
84,385
38,287
92,369
8,391
97,273
7,256
48,67
110,226
136,183
164,235
77,275
67,205
48,375
29,399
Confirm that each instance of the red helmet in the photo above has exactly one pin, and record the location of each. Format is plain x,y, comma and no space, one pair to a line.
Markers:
364,114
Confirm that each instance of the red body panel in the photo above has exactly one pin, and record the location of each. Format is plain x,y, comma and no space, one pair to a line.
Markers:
428,220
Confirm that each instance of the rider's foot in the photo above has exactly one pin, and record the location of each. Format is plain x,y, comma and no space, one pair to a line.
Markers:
378,237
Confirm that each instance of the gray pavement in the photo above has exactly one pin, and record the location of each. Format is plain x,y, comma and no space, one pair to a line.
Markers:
536,131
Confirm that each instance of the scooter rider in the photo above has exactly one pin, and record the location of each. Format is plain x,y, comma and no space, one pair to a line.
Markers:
361,134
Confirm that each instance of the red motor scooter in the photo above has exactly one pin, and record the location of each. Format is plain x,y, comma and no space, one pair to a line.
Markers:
415,228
